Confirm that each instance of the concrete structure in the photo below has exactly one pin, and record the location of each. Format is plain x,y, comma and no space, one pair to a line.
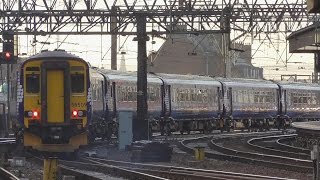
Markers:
306,40
201,55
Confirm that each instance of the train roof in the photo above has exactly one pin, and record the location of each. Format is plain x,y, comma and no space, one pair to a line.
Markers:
299,85
60,54
188,79
239,82
127,76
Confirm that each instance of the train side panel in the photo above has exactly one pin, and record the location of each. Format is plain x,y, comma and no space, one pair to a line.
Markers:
122,93
193,101
250,103
300,102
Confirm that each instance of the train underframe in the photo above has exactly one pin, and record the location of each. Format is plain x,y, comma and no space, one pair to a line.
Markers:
103,129
169,125
54,138
166,126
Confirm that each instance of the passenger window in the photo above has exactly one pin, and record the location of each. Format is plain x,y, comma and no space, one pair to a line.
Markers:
32,83
77,83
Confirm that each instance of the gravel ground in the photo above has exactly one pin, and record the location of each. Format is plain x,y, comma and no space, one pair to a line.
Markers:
33,171
30,171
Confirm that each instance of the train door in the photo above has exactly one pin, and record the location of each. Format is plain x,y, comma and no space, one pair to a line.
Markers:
285,101
55,92
104,101
219,93
222,100
229,98
114,100
167,100
227,101
279,103
55,98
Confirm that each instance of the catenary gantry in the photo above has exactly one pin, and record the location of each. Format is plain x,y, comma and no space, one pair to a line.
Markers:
200,16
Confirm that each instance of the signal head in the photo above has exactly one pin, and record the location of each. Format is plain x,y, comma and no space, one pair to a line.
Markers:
7,56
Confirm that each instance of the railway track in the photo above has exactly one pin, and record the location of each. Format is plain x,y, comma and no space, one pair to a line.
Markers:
88,169
284,143
172,172
220,152
272,145
104,169
94,171
6,175
7,144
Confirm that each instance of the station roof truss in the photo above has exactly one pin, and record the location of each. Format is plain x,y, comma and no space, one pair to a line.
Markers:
42,17
306,40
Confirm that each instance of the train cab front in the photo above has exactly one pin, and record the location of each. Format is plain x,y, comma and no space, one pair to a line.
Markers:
54,103
55,136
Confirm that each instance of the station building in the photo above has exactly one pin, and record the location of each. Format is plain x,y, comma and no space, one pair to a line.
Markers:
201,55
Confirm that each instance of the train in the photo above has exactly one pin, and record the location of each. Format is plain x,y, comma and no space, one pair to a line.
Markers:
64,103
53,101
188,103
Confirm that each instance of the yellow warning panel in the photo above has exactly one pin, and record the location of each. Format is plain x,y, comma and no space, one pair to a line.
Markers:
50,168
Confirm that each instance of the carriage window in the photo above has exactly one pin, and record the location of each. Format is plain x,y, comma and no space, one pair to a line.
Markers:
32,83
77,83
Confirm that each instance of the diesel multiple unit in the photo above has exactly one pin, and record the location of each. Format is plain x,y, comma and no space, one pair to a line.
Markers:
63,103
54,101
188,102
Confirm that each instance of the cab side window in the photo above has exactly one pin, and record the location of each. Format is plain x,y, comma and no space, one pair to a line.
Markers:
77,83
32,83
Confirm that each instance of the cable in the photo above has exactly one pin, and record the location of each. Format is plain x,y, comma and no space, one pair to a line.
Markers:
66,37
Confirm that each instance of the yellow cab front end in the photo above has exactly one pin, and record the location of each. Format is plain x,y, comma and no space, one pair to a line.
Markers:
54,105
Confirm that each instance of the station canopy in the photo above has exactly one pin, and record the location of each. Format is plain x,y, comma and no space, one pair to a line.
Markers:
305,40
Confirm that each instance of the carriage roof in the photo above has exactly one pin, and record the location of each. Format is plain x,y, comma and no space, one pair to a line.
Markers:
248,83
56,55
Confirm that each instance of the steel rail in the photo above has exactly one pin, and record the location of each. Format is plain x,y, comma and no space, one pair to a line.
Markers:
178,169
238,158
266,158
65,167
281,141
279,152
76,173
6,175
110,170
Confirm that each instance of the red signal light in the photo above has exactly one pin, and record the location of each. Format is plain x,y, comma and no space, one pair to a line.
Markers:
7,55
